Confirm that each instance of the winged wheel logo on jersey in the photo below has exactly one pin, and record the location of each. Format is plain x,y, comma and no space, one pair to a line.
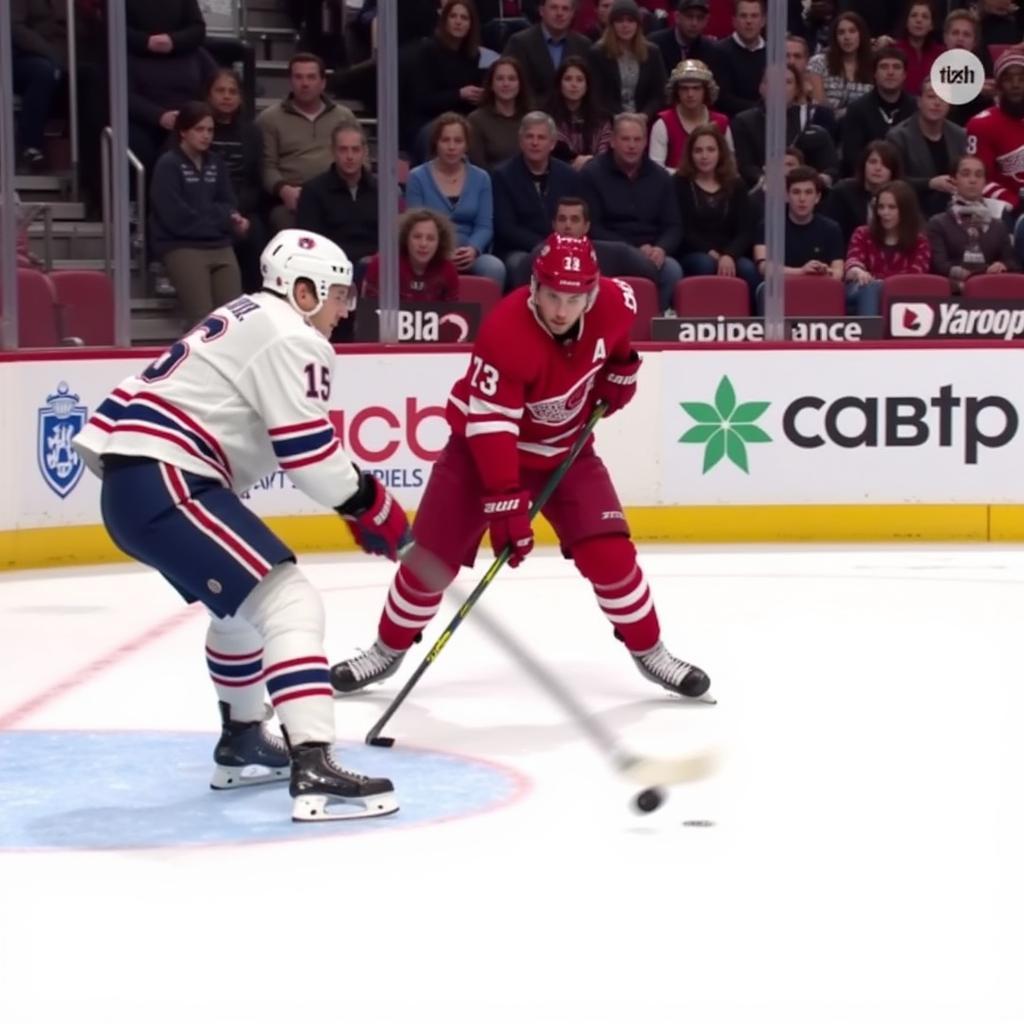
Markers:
59,420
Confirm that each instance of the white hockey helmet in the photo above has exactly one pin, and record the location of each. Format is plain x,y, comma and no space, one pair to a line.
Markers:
294,255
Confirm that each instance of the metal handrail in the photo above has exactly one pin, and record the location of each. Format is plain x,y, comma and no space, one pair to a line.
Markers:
140,202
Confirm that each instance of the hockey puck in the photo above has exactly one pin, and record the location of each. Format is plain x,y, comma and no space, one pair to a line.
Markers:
382,741
699,823
648,800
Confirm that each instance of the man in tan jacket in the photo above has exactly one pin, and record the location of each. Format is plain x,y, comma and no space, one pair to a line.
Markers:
297,137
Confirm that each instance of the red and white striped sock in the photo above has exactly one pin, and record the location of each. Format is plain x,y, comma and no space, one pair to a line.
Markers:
408,610
629,607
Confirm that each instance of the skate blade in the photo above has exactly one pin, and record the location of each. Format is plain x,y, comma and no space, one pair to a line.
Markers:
247,775
359,689
704,698
327,808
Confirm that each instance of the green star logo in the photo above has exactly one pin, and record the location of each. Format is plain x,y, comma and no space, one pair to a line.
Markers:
725,428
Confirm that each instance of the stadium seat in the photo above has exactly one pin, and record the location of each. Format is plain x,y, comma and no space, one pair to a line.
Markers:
646,306
86,301
481,290
996,50
37,310
707,295
913,286
814,296
995,286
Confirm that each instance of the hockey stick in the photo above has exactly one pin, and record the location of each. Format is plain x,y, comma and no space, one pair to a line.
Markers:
652,772
373,737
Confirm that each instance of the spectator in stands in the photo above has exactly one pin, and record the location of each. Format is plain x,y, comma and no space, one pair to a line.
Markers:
633,200
542,48
844,72
194,218
882,18
849,201
526,192
450,184
919,42
239,143
297,134
628,72
584,127
494,125
930,147
170,26
162,77
341,203
1001,23
995,134
892,242
739,65
812,23
960,32
798,57
685,39
425,269
593,27
447,73
814,245
718,221
616,259
691,93
871,117
802,131
970,237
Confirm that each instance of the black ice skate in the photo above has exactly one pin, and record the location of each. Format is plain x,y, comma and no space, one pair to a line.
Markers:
674,674
324,791
247,754
369,666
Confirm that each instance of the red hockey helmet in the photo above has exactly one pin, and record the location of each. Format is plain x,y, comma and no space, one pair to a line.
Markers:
567,264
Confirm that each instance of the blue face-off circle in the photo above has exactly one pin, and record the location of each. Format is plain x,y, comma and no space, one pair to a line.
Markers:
115,790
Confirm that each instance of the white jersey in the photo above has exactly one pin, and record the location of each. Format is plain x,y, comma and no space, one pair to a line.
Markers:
242,394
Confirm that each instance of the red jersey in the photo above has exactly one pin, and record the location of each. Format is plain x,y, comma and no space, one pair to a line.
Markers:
998,141
438,283
525,396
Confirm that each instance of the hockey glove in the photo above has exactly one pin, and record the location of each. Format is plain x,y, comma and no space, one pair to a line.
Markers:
377,521
616,385
508,518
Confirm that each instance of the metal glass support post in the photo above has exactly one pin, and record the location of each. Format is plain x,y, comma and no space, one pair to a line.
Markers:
76,183
120,244
775,185
387,166
8,211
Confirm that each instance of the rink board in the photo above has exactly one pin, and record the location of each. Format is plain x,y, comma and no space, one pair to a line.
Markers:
723,443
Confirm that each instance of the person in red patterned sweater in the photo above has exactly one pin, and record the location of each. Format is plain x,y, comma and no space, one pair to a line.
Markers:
542,360
892,242
996,135
426,273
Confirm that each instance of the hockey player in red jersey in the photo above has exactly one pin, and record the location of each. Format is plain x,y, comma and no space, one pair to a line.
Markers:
542,360
996,135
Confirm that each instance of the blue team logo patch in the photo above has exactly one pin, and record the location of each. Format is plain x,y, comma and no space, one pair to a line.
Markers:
59,420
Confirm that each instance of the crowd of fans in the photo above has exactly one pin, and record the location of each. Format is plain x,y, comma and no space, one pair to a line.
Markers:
622,119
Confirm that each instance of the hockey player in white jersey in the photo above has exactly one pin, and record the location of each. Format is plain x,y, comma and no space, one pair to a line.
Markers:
242,394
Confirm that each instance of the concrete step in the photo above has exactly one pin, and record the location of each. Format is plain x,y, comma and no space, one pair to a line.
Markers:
32,187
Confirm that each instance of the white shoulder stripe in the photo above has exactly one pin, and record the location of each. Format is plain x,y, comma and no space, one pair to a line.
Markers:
479,407
491,427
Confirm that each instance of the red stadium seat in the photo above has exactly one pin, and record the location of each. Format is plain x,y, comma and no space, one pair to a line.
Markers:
481,290
86,300
709,295
913,286
995,286
996,50
37,310
646,306
814,296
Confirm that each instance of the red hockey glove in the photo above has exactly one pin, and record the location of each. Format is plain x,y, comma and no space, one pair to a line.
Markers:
616,384
508,518
376,520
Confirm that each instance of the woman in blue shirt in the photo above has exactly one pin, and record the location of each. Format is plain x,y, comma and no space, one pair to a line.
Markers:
451,185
